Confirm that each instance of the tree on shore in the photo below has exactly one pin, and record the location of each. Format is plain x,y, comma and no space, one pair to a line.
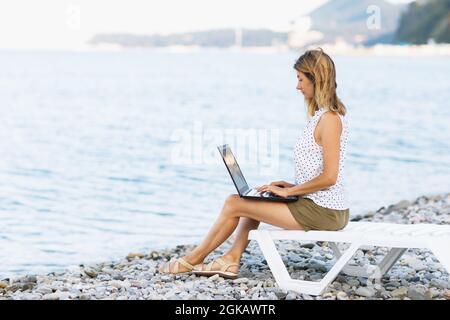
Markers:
425,20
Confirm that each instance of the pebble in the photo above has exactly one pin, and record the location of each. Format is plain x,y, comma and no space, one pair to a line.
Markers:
345,287
132,256
116,284
419,293
240,280
419,266
308,245
281,295
166,278
438,283
214,277
353,282
446,294
434,292
414,279
341,296
119,277
402,205
319,265
57,296
291,296
365,292
44,289
400,292
90,272
29,279
316,277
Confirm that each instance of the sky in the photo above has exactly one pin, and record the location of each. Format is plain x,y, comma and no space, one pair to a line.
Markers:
68,24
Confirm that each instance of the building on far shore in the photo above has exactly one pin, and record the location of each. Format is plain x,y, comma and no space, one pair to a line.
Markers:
300,33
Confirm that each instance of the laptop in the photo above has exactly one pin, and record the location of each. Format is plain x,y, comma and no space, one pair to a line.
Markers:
241,184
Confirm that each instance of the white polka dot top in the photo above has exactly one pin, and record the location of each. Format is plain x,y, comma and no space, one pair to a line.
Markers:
308,158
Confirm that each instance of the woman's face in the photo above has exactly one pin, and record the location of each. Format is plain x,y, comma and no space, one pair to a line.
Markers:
305,85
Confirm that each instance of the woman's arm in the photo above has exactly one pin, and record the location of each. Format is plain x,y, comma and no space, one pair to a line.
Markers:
282,184
330,133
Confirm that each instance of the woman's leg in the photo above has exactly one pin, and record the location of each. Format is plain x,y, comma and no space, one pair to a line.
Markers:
234,253
252,213
241,239
222,228
274,213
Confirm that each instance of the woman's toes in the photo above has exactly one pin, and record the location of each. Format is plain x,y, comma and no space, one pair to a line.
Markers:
163,266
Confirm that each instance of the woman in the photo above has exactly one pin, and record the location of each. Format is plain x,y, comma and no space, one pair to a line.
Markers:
319,156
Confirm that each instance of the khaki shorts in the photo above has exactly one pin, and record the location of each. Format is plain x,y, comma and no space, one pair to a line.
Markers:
311,216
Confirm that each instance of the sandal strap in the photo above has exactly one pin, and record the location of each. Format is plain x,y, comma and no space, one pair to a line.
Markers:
225,265
166,267
198,267
175,267
209,266
186,264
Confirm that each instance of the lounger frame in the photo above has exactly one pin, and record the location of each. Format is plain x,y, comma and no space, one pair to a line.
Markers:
359,235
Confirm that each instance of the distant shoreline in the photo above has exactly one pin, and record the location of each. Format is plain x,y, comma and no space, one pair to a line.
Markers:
338,49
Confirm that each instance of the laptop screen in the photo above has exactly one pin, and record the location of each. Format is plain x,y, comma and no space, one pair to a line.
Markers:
233,169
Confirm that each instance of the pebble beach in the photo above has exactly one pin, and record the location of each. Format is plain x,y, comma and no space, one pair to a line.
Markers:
418,275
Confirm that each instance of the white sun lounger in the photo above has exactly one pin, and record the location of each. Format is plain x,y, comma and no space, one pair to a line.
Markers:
398,237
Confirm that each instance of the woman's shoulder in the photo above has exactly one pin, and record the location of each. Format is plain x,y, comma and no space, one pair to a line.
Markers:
330,119
330,116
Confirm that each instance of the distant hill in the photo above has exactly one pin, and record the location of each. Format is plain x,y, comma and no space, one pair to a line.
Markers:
336,19
425,20
347,20
221,38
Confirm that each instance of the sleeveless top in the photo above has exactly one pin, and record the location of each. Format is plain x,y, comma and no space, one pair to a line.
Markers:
308,158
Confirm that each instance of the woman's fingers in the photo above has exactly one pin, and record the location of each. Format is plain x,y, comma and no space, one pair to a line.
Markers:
262,188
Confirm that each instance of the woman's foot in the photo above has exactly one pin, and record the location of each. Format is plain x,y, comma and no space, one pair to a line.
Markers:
225,266
178,266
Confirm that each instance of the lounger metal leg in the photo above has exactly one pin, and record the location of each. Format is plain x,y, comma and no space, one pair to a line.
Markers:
371,271
390,259
272,256
281,275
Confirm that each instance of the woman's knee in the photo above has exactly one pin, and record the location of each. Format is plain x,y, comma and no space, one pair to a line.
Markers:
231,204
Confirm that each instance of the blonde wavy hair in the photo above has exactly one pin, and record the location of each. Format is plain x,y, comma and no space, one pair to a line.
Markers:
320,69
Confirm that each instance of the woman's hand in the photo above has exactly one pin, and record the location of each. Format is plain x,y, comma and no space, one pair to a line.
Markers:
282,184
282,192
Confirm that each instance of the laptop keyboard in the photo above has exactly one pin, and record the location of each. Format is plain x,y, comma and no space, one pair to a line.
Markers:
255,193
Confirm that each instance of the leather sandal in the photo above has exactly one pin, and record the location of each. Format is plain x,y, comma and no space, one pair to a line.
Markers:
175,270
224,265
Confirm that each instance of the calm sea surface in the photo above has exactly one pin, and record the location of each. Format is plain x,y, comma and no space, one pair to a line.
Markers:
107,153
